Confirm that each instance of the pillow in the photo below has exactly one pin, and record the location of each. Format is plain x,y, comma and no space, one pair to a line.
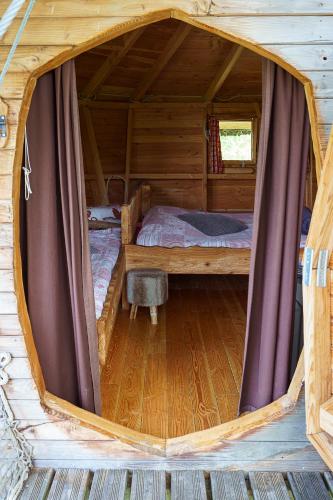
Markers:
306,219
213,224
110,213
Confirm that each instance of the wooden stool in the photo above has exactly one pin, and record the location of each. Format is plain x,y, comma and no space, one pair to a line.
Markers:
147,288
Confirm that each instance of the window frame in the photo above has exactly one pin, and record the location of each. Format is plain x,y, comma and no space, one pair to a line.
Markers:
246,111
253,160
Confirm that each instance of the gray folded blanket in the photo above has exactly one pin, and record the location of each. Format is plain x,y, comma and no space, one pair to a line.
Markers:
213,224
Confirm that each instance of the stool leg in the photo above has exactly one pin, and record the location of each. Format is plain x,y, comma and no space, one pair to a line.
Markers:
153,315
134,310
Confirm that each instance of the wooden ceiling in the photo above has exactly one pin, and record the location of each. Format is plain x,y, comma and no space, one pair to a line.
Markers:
169,61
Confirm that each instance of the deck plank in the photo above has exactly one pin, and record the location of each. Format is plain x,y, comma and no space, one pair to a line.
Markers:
69,484
328,476
187,485
148,485
228,486
37,484
108,485
113,484
308,486
268,486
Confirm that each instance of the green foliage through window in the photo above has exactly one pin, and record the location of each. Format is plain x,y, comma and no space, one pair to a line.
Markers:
236,140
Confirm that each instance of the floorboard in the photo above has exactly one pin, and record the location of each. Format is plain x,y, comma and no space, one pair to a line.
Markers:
183,375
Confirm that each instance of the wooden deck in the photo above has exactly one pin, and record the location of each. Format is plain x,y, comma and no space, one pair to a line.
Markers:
178,485
184,375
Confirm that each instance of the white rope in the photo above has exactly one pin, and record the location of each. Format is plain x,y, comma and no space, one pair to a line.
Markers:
9,15
6,22
15,454
26,168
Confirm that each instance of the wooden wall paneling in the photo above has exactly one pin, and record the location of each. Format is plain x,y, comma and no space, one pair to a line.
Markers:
223,72
230,194
219,8
181,193
26,60
110,126
6,212
173,45
103,199
6,257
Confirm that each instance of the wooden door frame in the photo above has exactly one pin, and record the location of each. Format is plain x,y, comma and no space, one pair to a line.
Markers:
209,438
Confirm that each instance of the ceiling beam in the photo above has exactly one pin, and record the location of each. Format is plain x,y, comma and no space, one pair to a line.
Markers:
174,43
110,64
223,72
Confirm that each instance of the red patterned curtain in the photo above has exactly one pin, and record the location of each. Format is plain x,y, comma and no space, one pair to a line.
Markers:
215,162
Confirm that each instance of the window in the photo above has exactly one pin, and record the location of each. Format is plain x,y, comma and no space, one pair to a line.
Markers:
237,140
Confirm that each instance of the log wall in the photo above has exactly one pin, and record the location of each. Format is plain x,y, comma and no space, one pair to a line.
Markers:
59,28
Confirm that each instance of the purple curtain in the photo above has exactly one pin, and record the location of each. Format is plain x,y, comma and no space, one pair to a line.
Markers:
281,172
54,241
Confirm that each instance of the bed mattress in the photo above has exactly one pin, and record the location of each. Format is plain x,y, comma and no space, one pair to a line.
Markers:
161,227
104,251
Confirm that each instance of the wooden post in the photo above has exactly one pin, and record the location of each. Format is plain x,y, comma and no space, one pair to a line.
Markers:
317,350
128,152
204,161
103,196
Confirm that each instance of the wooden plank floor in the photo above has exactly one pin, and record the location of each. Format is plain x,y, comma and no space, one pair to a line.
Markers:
183,375
177,485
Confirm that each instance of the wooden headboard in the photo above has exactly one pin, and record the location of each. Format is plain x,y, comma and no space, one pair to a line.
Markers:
132,212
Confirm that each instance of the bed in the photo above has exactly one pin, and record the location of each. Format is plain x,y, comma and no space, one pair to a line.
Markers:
175,246
108,269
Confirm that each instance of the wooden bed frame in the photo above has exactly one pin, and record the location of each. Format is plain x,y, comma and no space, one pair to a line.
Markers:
107,319
191,260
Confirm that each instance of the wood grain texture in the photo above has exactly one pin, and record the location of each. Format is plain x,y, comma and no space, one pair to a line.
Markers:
148,484
307,486
108,485
189,260
268,485
37,485
70,484
178,377
318,379
188,484
219,8
229,485
106,321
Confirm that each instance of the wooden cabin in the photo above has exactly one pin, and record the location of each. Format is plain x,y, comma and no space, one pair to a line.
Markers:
148,78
